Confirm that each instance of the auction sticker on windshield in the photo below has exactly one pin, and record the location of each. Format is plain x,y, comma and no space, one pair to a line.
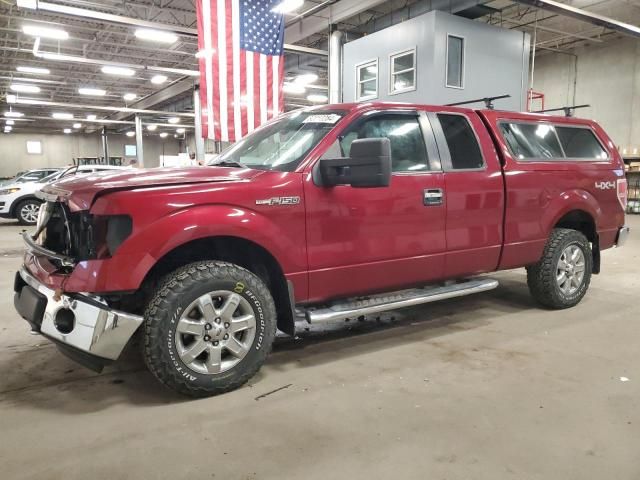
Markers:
330,118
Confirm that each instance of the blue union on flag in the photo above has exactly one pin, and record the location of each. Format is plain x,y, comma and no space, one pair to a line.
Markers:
240,51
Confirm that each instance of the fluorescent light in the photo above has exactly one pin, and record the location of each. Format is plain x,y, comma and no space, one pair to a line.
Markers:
91,117
10,122
158,79
77,125
33,4
164,135
152,128
125,72
287,6
7,129
11,98
62,116
206,52
98,92
129,96
131,134
16,87
156,35
34,70
317,98
306,78
67,130
180,130
173,120
293,88
37,31
13,114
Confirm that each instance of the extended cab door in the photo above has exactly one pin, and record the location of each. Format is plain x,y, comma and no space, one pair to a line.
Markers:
473,192
361,240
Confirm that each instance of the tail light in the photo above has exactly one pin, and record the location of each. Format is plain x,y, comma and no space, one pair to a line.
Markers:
622,193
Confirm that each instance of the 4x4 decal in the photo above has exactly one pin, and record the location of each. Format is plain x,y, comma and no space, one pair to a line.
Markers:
605,185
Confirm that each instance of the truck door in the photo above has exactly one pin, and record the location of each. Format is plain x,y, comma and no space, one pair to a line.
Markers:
361,240
473,192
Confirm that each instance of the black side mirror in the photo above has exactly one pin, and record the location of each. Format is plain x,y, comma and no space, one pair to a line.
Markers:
368,166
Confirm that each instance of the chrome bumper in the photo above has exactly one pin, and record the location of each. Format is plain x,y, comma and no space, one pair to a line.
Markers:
623,234
97,329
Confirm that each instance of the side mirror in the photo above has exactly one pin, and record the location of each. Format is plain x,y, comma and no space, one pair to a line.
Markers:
368,166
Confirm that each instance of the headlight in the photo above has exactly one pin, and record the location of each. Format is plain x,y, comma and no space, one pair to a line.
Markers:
9,191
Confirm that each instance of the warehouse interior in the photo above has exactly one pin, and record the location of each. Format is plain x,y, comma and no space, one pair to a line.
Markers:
486,386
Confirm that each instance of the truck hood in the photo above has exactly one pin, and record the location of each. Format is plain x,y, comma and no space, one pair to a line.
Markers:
81,191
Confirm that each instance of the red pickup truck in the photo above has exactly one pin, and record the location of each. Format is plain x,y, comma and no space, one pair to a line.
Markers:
323,214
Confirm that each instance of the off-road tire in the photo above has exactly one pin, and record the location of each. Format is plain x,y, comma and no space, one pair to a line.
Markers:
541,277
178,290
19,211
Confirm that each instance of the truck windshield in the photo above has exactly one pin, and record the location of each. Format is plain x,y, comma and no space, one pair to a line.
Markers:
282,144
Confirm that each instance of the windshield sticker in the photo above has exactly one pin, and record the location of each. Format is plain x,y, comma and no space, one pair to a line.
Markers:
329,118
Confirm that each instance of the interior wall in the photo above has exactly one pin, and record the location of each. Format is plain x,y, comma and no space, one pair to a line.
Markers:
607,77
60,150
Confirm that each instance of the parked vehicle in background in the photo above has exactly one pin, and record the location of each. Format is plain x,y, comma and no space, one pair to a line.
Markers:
18,199
31,175
323,214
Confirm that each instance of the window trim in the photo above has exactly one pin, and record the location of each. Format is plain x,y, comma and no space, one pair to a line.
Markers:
443,146
414,68
358,67
553,159
463,72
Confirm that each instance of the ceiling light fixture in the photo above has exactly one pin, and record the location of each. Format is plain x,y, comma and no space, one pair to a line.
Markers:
16,87
129,96
91,118
131,134
67,130
180,130
294,88
34,70
97,92
152,128
287,6
44,32
10,122
317,98
122,71
173,120
164,135
206,52
62,116
13,114
156,35
306,78
77,125
159,79
11,98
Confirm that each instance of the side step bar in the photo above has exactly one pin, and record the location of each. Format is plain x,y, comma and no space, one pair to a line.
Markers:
392,301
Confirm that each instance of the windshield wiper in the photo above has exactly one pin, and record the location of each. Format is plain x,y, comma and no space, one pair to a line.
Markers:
227,163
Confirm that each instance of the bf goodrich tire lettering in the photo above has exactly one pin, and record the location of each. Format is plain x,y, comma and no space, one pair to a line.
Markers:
562,276
208,328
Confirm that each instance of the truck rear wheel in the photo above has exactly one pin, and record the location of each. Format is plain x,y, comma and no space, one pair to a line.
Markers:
208,328
562,276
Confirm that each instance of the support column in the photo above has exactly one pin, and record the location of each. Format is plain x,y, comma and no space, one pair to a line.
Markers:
335,67
105,145
139,142
197,109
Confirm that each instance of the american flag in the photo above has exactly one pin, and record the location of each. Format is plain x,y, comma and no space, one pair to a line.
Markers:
240,45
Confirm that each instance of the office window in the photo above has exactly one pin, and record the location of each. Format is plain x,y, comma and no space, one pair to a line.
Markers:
403,71
455,61
580,143
34,147
129,150
462,142
367,80
532,140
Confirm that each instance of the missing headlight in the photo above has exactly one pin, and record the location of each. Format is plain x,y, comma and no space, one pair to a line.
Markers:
119,227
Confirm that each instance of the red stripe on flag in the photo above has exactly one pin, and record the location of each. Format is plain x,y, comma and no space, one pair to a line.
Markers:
215,70
256,89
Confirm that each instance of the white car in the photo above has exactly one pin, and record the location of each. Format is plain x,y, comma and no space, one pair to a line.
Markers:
31,175
18,199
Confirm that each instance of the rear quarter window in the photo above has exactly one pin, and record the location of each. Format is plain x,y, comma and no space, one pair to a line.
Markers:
580,142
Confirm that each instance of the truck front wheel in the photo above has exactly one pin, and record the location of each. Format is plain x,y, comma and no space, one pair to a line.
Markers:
562,276
208,328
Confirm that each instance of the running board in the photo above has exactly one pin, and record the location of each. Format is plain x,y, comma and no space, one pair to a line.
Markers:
392,301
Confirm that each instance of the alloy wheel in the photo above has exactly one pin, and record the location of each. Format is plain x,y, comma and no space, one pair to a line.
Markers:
570,270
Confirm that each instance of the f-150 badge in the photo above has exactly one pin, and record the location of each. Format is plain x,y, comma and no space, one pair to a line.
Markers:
279,201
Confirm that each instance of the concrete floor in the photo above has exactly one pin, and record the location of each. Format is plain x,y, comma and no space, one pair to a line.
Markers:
483,387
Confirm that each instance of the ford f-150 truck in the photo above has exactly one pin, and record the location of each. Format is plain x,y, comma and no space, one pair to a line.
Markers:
322,214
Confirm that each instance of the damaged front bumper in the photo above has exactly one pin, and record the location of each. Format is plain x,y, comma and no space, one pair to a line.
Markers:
83,327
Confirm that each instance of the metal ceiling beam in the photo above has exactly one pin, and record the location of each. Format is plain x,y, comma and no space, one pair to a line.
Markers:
583,15
104,108
136,22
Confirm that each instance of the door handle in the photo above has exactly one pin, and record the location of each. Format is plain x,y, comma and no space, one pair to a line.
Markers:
433,196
